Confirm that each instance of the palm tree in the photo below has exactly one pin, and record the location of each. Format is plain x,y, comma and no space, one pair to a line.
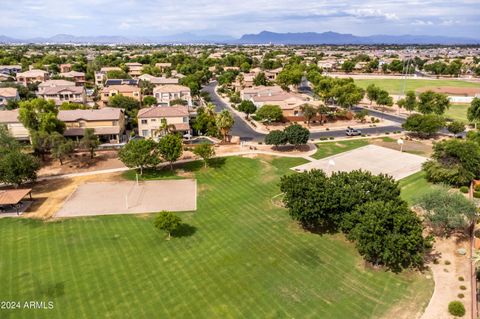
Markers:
210,109
165,128
224,121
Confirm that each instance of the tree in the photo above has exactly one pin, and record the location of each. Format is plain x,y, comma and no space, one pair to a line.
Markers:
361,115
149,101
348,66
170,148
72,106
454,162
140,154
446,211
347,95
40,115
473,112
205,151
118,74
308,112
384,99
260,79
90,141
456,127
409,103
167,221
17,168
431,102
456,308
276,138
424,125
224,121
7,142
204,123
390,234
40,141
297,135
129,104
270,113
60,147
247,107
372,92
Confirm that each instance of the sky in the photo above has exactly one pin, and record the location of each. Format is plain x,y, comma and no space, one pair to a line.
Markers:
32,18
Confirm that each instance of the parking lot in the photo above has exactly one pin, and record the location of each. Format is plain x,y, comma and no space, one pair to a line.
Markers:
373,158
108,198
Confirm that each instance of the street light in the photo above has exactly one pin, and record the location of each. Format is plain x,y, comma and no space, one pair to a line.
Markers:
331,165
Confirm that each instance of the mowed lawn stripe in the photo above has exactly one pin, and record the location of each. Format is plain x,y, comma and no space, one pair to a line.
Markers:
245,259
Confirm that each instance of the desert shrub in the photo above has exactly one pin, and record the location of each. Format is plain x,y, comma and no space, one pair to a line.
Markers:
456,308
464,189
460,296
462,287
461,278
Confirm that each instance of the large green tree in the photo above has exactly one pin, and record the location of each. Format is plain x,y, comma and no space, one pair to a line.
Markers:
424,125
17,168
446,211
473,112
453,162
40,115
432,102
170,148
276,138
247,107
297,135
270,113
90,141
140,154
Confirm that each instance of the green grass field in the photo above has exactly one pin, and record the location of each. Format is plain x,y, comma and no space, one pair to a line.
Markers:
458,112
238,256
414,186
395,86
332,148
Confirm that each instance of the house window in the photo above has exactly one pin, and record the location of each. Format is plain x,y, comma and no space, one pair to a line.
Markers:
144,121
153,120
144,133
185,119
114,123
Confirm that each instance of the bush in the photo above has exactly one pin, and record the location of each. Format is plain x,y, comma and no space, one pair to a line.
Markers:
462,287
323,138
476,194
456,308
460,296
477,187
331,137
447,262
464,189
461,278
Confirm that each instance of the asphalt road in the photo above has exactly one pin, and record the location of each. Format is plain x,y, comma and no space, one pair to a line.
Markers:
246,133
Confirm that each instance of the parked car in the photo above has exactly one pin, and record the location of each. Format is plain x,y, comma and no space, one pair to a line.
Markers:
353,132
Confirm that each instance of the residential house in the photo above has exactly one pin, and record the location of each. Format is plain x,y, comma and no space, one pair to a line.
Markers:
65,68
166,93
32,76
134,69
150,120
10,69
157,80
77,77
9,119
289,103
163,66
62,91
125,90
110,82
101,75
8,94
248,93
271,75
108,123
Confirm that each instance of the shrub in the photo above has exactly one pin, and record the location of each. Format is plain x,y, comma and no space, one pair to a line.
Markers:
447,262
476,194
462,287
461,278
477,187
460,296
456,308
464,189
323,138
331,137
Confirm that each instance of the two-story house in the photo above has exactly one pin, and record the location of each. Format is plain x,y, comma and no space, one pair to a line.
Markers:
61,91
151,120
108,123
10,69
166,93
101,75
32,76
134,69
125,90
77,77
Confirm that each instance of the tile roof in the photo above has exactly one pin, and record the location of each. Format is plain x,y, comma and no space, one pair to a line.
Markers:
103,114
9,116
163,111
8,92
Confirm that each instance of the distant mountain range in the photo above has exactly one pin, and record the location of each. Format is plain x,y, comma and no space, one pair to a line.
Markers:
264,37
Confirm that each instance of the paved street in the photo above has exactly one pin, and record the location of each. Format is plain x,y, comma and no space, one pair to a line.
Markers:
246,133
